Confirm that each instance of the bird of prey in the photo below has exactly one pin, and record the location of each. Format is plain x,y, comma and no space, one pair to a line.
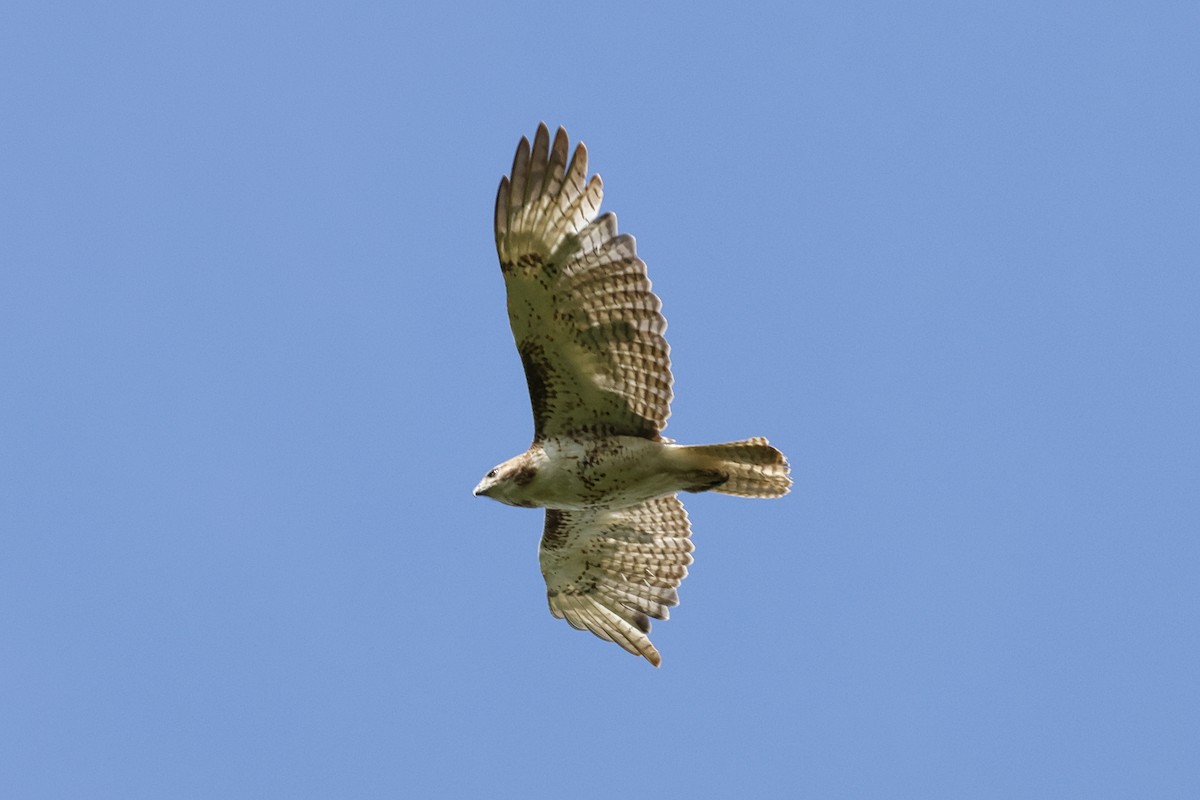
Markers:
589,332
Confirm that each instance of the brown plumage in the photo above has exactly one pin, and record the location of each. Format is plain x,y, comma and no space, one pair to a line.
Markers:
589,332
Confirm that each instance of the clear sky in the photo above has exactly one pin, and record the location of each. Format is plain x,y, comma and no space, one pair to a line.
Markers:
254,356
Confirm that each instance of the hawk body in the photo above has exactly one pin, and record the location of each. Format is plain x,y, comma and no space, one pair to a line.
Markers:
587,472
589,332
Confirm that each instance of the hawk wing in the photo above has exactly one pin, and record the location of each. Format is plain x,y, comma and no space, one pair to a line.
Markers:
609,571
587,325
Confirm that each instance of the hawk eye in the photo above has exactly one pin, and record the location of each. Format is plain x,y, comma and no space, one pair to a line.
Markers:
491,474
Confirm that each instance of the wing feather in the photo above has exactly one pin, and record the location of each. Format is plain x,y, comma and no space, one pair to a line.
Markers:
609,571
588,327
520,171
552,187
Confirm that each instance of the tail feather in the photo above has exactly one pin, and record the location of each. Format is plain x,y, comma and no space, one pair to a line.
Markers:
752,467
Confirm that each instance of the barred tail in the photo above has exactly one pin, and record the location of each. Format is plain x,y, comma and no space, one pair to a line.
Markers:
750,468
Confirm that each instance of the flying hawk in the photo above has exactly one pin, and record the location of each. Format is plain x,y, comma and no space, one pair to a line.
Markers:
590,334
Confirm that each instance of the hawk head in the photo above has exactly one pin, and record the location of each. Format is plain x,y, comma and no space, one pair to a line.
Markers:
506,481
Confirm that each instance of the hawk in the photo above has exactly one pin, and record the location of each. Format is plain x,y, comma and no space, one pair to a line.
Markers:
589,331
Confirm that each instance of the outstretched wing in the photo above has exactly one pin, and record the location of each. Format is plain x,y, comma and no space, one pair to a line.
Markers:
609,571
587,325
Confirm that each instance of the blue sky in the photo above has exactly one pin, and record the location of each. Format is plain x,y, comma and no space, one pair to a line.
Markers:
254,356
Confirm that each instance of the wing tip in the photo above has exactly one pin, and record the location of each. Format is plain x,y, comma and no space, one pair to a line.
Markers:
501,212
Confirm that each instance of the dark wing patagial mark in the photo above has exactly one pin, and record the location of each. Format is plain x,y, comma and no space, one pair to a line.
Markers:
587,325
539,380
610,571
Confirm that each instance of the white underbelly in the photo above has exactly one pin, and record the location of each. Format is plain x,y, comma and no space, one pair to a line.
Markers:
617,472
